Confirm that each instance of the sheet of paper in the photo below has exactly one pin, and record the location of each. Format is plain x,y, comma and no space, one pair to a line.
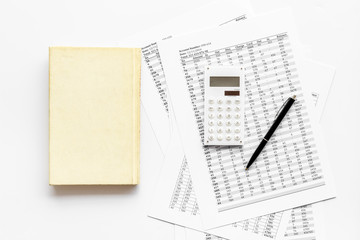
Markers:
180,233
301,225
321,212
324,75
298,175
154,89
317,80
150,170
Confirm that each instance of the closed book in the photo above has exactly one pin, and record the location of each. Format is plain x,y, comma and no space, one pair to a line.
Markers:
94,101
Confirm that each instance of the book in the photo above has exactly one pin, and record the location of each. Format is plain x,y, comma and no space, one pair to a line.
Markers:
94,118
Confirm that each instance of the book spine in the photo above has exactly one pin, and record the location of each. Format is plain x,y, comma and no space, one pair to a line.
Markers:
136,102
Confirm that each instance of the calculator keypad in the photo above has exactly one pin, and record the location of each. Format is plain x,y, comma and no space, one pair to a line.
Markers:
224,121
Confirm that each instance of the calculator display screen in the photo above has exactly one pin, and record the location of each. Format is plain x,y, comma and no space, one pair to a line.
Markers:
224,81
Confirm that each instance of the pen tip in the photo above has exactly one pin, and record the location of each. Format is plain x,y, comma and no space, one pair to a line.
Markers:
246,169
294,96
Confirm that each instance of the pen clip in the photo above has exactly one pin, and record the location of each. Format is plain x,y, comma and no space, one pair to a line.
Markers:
282,106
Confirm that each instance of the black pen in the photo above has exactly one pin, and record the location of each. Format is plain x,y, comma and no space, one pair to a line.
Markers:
278,118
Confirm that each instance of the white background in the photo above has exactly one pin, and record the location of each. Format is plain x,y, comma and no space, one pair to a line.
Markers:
30,208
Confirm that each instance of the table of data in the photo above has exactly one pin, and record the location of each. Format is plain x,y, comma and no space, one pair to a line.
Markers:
290,161
183,198
153,61
301,224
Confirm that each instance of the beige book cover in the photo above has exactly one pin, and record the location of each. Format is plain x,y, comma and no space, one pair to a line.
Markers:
94,115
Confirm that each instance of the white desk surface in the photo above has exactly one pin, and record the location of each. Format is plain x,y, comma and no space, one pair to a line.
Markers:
30,208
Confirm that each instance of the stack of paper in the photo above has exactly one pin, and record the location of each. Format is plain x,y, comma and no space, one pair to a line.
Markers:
205,191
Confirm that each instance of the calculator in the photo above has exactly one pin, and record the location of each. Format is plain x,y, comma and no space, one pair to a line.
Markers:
224,106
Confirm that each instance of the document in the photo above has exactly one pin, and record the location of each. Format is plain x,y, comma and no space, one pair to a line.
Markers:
301,225
317,81
290,171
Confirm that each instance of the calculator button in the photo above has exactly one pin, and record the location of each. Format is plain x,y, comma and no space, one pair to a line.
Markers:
228,130
228,109
211,123
237,116
211,137
211,130
219,130
228,138
237,101
237,109
219,101
228,101
220,109
211,109
237,138
228,123
228,115
237,123
219,123
211,115
219,137
211,101
237,130
219,115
